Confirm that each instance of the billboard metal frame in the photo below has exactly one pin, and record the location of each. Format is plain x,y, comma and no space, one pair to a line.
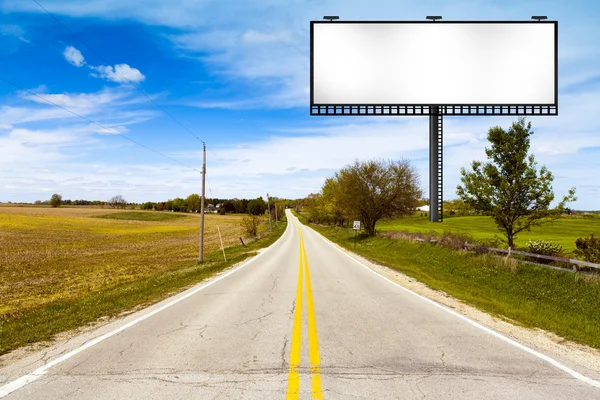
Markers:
434,111
424,110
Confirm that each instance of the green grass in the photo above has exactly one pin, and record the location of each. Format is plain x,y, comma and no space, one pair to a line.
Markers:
560,302
142,216
563,231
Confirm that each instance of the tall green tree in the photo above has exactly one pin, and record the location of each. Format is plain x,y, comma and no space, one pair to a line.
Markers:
179,205
374,189
508,187
56,200
257,206
193,202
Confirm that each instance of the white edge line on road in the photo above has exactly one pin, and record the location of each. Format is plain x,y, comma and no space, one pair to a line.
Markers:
41,371
508,340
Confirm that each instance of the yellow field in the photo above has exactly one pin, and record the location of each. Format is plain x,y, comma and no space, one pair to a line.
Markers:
49,254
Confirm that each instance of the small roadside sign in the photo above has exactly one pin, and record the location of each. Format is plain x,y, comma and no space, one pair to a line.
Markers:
357,225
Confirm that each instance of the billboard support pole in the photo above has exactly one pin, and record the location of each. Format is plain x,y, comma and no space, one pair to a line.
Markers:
436,199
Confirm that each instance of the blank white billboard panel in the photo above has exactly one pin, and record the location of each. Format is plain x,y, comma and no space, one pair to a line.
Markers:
434,63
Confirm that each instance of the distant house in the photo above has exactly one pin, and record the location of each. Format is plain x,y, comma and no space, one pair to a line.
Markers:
210,209
219,206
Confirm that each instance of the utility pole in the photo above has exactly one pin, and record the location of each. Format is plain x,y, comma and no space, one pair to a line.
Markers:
269,210
201,257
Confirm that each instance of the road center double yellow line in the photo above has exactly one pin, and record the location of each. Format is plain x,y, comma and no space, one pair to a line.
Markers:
293,391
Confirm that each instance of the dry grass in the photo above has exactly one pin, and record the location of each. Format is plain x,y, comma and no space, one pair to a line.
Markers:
52,254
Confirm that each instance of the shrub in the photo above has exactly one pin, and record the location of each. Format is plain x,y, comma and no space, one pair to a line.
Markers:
588,248
496,242
454,241
250,224
544,247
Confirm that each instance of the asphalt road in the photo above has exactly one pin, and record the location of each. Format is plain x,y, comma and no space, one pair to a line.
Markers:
256,333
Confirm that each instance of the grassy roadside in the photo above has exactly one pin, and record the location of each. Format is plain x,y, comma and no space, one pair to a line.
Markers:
561,302
41,323
563,231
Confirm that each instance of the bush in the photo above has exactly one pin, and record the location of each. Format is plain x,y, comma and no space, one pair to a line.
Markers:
250,224
588,248
496,242
544,247
454,241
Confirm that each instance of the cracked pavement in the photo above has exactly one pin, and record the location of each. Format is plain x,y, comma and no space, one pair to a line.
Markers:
232,340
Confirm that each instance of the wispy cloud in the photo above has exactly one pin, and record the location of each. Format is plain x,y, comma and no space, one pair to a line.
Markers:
255,37
14,31
98,105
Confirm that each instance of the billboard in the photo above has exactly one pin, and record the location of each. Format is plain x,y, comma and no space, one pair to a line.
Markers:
424,63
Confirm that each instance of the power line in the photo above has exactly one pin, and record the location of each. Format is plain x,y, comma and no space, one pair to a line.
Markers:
96,123
136,86
209,189
124,77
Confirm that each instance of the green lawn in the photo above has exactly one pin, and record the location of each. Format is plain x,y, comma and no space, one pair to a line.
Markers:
563,231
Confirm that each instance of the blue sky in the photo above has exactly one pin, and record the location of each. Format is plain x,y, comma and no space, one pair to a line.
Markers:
236,74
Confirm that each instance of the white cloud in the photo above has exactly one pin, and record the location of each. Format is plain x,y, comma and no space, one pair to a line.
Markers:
120,73
14,31
73,56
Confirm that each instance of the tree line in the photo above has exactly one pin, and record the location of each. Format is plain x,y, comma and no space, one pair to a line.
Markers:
192,203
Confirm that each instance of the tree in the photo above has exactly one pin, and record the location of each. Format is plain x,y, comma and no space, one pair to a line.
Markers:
508,187
56,200
193,202
257,206
228,206
458,207
179,205
117,202
147,206
371,190
241,205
